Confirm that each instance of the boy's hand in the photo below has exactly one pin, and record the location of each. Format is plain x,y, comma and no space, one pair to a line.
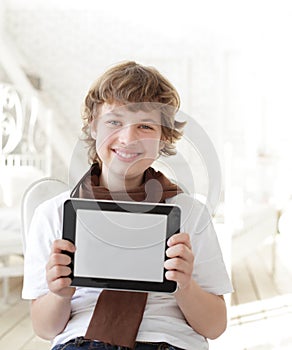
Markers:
181,259
57,269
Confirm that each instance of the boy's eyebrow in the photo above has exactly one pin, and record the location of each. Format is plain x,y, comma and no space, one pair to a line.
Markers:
120,115
149,120
113,113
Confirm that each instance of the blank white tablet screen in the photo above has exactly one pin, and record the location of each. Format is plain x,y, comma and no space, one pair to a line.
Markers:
120,245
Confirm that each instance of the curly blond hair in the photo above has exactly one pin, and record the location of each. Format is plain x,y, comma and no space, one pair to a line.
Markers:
132,83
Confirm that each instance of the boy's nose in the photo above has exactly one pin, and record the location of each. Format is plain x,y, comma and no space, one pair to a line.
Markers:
127,134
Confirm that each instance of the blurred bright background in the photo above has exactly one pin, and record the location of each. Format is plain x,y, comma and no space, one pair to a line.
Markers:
231,63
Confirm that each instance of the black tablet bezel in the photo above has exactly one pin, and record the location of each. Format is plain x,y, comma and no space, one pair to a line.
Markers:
173,214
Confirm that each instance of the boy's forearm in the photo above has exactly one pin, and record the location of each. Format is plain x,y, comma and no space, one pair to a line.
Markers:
50,314
205,312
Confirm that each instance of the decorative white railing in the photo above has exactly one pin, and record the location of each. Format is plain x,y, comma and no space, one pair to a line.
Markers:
10,62
23,142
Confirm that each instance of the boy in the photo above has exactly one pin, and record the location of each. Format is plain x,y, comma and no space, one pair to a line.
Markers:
129,120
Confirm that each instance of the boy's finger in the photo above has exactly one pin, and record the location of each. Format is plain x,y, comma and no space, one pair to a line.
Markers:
59,284
58,272
62,244
180,238
180,250
180,265
181,278
58,259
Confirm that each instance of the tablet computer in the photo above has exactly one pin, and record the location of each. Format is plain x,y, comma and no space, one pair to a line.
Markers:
120,245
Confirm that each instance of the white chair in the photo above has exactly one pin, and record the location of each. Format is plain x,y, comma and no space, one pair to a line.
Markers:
25,156
36,194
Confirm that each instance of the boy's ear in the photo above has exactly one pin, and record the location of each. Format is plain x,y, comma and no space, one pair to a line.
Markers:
93,126
161,144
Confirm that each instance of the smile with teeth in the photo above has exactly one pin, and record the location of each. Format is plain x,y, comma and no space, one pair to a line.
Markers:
126,154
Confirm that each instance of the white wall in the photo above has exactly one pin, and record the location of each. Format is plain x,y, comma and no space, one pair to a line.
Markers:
218,54
2,14
69,48
2,11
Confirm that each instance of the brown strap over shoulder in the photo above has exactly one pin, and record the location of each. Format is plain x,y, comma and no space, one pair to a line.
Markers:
117,315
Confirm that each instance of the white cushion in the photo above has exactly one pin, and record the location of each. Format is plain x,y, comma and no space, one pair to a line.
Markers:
10,231
14,180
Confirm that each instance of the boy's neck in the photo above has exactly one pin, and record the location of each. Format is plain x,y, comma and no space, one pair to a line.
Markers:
116,183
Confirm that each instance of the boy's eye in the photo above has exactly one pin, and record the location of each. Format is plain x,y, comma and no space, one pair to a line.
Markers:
114,122
146,127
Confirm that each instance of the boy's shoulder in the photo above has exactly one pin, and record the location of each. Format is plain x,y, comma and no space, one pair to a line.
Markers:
54,202
186,200
194,211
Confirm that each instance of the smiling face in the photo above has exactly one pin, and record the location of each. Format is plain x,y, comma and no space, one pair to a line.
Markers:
127,142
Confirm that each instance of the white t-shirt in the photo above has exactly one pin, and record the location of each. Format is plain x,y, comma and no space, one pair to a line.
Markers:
162,319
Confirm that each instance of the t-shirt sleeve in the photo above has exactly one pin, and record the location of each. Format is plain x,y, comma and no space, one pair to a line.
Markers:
209,268
45,227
